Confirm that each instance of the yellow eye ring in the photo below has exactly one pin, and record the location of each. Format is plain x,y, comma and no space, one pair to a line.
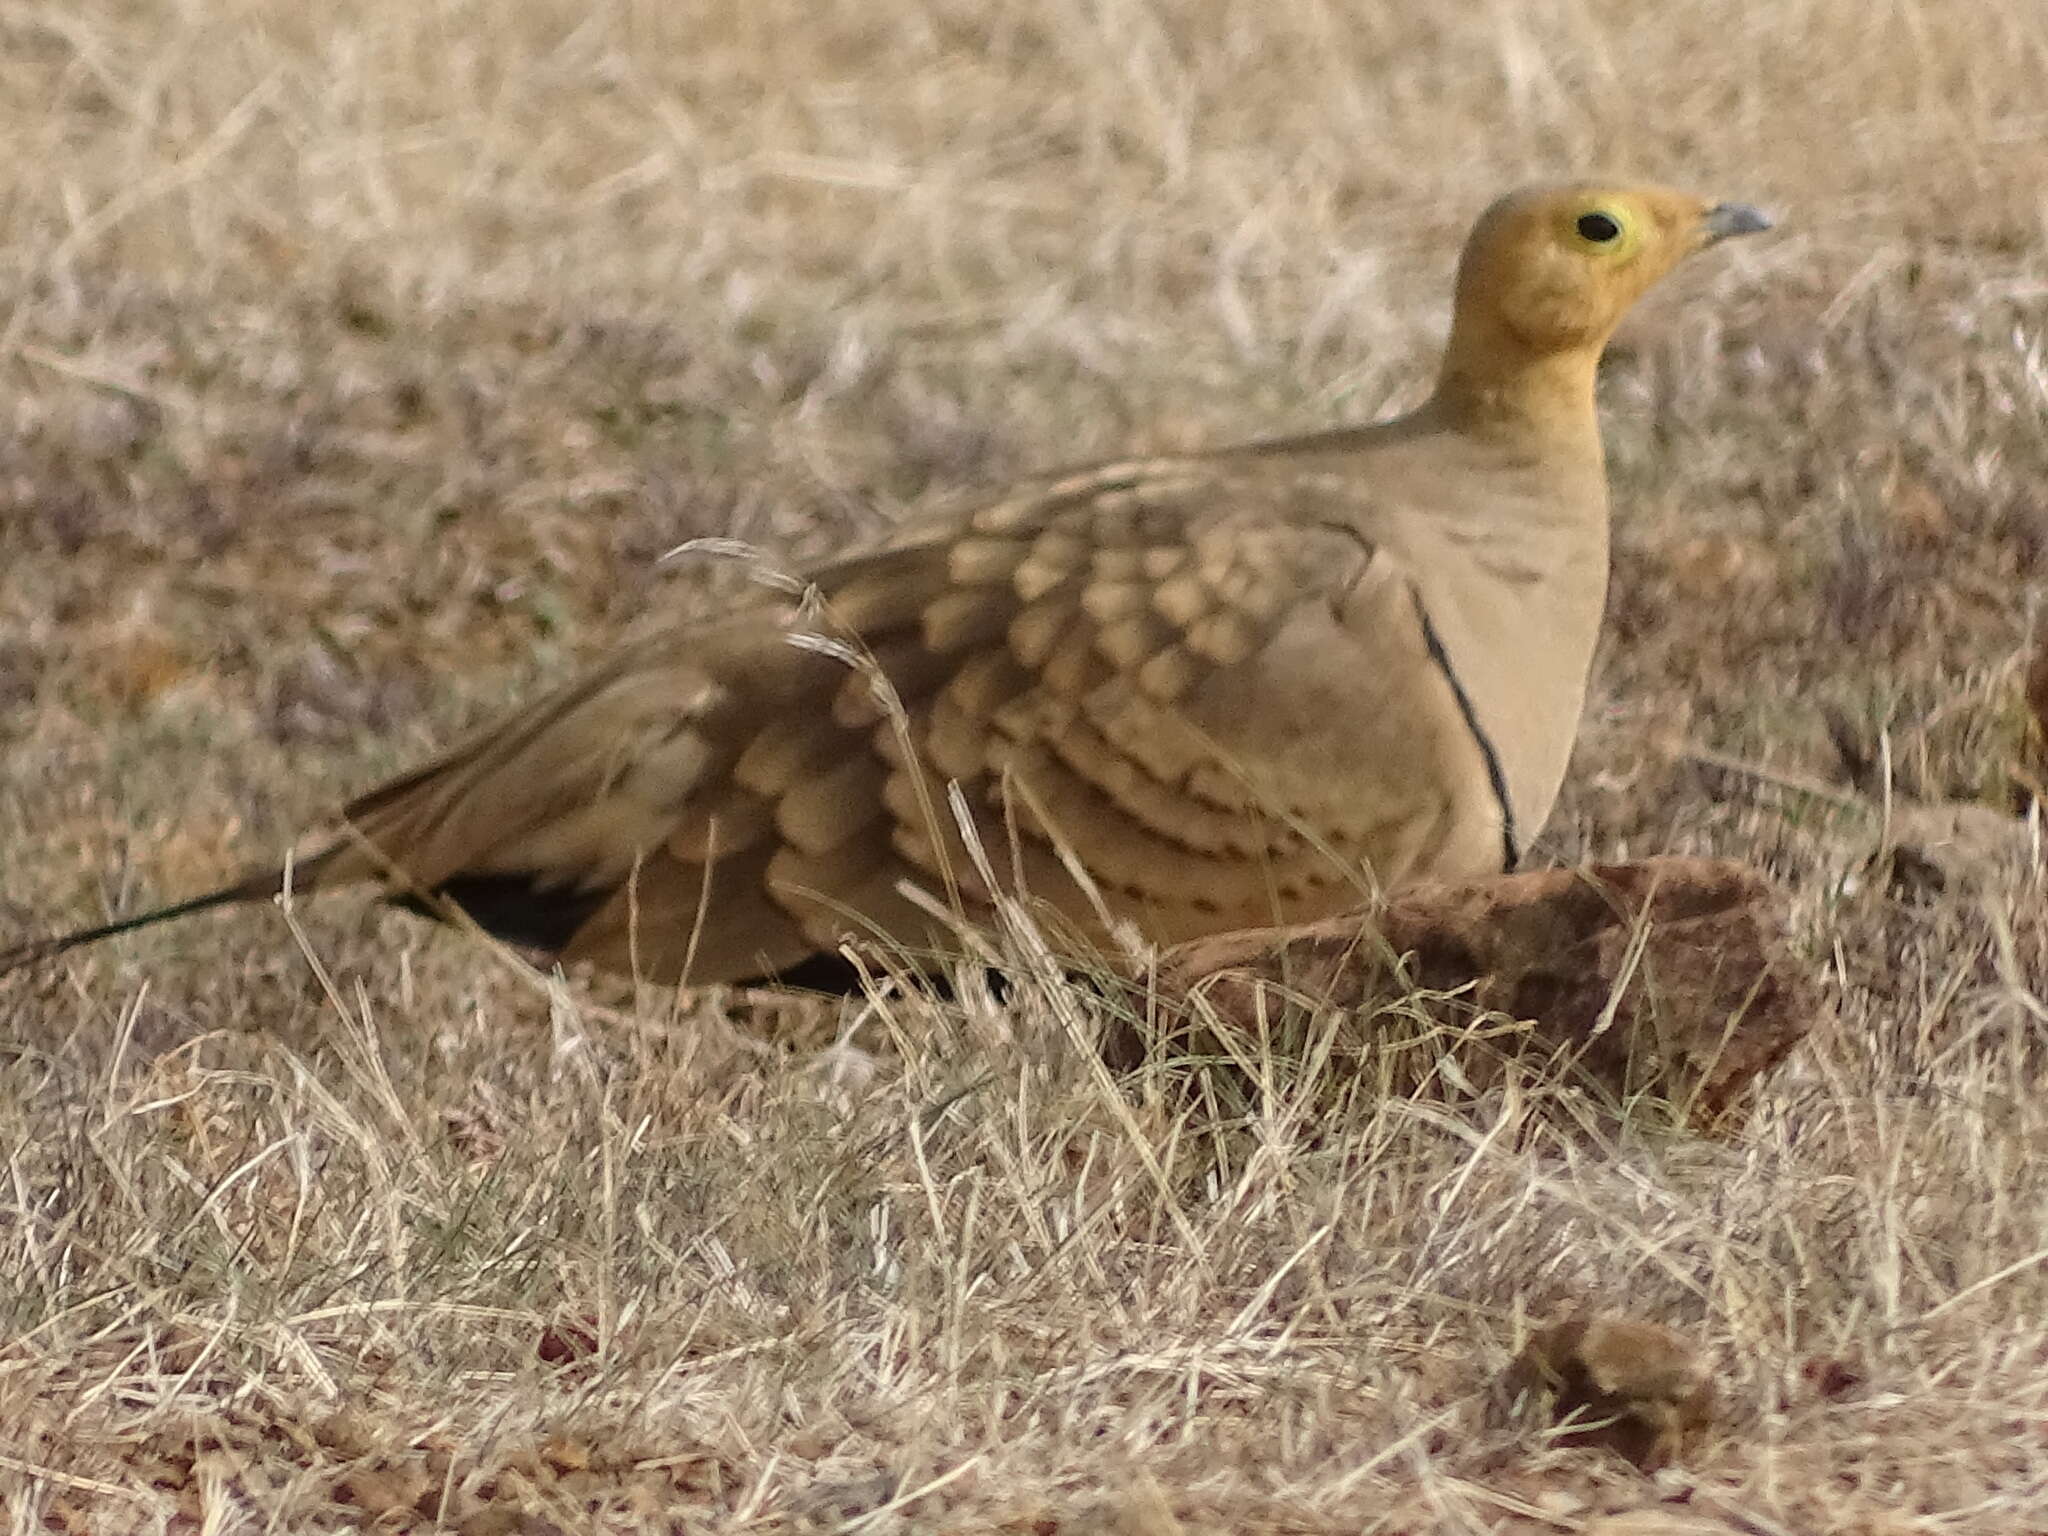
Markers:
1606,231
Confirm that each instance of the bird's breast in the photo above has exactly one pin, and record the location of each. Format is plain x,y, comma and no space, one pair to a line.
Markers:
1517,620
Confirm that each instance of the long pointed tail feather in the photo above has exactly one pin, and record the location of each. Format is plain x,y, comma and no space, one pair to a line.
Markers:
254,888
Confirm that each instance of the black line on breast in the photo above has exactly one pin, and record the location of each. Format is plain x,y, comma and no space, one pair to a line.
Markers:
1511,848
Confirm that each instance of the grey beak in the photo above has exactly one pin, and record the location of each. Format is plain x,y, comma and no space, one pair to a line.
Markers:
1726,219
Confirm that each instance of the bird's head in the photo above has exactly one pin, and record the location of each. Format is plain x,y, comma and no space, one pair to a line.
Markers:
1553,269
1547,274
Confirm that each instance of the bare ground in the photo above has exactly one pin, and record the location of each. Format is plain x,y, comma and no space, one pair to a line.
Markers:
360,362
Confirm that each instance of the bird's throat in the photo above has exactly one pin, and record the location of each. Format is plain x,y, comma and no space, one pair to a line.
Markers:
1545,401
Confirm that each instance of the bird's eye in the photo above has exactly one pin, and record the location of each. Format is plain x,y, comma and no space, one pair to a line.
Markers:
1599,228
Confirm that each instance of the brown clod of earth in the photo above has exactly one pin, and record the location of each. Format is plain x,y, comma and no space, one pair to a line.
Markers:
1670,975
1635,1387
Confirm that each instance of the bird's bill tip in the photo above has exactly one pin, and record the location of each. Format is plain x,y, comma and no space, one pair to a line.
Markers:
1725,220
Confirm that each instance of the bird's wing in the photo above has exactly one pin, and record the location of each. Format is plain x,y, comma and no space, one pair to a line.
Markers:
1199,683
1216,690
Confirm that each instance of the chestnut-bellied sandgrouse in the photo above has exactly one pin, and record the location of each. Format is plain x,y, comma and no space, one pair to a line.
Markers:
1190,693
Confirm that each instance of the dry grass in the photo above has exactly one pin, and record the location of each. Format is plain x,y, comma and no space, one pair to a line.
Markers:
359,359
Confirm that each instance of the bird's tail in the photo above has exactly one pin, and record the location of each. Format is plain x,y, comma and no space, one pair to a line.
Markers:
256,887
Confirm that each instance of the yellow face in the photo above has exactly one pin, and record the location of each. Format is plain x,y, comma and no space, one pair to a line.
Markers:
1555,268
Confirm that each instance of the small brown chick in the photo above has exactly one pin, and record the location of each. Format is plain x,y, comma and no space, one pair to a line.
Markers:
1634,1387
